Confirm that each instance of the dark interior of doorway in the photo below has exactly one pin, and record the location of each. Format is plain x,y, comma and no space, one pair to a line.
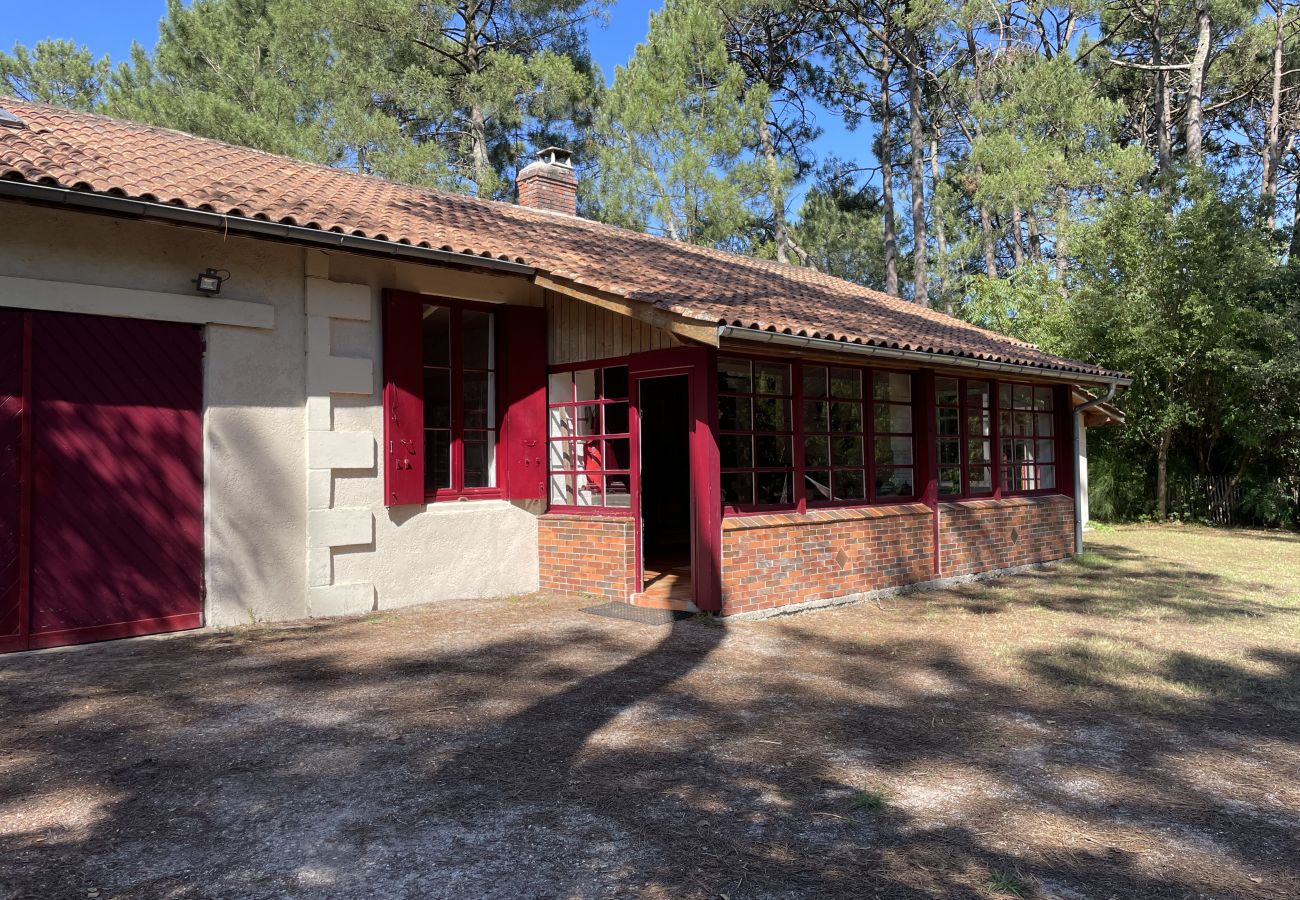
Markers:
664,405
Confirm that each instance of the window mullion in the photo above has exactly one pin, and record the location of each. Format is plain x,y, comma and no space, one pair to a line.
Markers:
457,358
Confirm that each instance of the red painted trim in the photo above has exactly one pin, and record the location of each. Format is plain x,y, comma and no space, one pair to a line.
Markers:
138,628
926,455
26,490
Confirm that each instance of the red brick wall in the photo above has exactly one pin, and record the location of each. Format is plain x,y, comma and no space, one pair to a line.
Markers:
776,560
980,535
587,555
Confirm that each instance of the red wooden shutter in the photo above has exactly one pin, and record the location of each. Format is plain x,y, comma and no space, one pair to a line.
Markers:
524,397
403,402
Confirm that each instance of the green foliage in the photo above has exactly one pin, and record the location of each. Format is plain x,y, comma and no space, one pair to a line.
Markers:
55,72
673,133
839,227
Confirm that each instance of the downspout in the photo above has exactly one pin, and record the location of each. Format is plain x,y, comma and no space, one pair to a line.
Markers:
1076,426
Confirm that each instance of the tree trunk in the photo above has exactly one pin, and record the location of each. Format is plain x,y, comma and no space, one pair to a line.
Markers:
1195,127
775,191
887,175
940,235
986,219
1273,137
1017,247
1294,250
1059,251
920,273
480,164
1164,150
1162,475
1035,239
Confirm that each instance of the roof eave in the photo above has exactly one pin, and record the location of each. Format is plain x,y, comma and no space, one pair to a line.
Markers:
920,357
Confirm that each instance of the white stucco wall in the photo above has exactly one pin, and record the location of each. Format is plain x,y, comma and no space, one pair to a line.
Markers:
256,421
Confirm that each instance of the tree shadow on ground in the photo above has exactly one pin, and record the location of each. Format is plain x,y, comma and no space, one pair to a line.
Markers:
547,754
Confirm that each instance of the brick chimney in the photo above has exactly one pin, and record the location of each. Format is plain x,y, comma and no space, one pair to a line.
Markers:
550,182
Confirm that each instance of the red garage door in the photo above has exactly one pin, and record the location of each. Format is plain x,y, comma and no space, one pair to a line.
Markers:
101,497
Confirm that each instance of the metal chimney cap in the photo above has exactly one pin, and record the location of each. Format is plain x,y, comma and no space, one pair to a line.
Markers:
556,156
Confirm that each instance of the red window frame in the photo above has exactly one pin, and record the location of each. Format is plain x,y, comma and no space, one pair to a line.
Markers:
1010,434
457,369
798,433
599,476
963,439
738,436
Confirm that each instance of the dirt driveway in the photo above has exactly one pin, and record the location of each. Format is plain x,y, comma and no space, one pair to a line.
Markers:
1128,727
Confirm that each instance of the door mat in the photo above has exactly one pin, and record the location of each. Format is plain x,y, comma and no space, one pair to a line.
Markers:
646,615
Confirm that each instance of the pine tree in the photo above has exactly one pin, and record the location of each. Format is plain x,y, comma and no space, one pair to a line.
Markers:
56,72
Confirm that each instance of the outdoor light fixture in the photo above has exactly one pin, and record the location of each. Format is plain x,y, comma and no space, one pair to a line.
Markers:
209,282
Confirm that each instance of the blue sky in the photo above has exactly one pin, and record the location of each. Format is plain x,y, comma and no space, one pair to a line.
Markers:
109,26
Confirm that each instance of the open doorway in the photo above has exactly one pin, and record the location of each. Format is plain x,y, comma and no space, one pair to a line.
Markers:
666,523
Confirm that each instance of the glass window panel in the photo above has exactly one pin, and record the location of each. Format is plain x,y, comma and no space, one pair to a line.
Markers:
1024,451
589,490
1022,396
1004,396
816,415
1046,477
949,452
587,419
846,451
947,391
893,451
949,481
563,455
615,386
476,338
979,451
477,411
895,386
1006,422
977,395
437,398
616,421
816,451
737,488
477,454
563,492
736,414
771,415
618,453
618,491
1043,398
772,450
735,450
585,386
1044,424
817,485
1045,451
437,336
1024,424
771,378
981,479
849,484
814,381
559,387
894,482
734,377
893,418
437,459
846,384
977,425
774,488
846,416
949,421
561,421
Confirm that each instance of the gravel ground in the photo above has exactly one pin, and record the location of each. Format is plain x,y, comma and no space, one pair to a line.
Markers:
1125,727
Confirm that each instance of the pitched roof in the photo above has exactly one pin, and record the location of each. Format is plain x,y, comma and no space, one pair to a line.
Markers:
92,153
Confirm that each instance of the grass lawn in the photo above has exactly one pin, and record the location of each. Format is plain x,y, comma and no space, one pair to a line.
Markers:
1127,726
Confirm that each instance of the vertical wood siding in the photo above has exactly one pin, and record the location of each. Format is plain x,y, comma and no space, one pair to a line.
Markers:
578,332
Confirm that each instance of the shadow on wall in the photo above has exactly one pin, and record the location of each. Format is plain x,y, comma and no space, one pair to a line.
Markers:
566,758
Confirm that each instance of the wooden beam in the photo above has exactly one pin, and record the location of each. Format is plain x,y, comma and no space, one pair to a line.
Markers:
691,330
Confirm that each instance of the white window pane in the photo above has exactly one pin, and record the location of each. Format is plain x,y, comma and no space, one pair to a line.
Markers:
560,387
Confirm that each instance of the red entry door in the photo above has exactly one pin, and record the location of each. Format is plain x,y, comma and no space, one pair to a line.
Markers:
110,537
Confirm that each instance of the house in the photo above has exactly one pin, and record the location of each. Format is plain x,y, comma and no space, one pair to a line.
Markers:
237,387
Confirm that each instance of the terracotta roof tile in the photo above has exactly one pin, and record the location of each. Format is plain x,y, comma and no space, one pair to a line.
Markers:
93,153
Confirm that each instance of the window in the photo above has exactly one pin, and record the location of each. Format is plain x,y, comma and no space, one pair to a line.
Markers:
853,430
756,433
589,453
964,420
1026,426
460,416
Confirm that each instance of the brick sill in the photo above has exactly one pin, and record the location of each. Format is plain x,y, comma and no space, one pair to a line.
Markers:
822,516
1003,503
585,517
